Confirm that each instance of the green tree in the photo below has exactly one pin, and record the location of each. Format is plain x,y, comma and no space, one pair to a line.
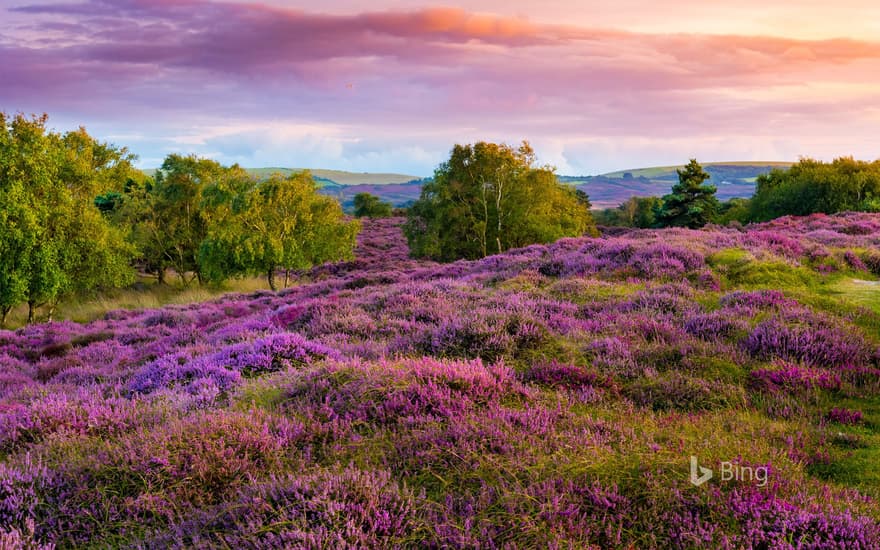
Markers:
173,224
812,186
279,223
633,212
367,205
488,198
55,242
583,198
733,210
691,203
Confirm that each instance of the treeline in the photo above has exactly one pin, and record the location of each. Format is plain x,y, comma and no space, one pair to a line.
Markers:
812,186
209,222
76,216
808,187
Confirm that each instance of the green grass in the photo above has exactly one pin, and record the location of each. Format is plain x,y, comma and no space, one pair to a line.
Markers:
859,291
739,268
855,465
146,295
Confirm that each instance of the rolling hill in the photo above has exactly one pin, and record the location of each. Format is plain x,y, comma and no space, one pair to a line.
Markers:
734,179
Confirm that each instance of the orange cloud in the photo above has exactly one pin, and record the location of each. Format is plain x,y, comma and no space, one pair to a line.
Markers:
433,71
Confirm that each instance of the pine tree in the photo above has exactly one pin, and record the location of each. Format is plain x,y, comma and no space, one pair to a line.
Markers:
691,203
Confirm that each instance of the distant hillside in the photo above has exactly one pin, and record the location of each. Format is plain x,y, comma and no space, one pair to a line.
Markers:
398,189
340,177
329,177
658,172
734,179
398,194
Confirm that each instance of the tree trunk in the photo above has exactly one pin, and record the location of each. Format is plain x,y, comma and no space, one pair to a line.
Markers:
4,313
484,237
199,277
498,195
32,310
286,277
51,311
160,275
270,276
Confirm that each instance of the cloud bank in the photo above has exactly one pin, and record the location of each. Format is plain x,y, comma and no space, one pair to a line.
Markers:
392,90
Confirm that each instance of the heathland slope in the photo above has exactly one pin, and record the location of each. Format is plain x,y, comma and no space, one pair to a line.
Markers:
550,396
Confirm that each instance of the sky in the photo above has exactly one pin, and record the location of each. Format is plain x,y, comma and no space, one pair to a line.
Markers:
391,85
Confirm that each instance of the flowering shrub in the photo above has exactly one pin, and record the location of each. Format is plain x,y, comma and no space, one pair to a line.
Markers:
558,375
844,416
348,509
791,377
826,346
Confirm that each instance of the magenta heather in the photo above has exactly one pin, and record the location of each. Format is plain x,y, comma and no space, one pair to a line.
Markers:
546,397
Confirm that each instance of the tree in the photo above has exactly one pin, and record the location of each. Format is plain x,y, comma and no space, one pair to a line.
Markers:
733,210
367,205
53,240
583,198
691,203
634,212
488,198
812,186
174,224
279,223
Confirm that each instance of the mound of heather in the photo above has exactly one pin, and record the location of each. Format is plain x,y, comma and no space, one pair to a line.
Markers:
548,397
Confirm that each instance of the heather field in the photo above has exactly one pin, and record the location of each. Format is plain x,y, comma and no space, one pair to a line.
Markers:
549,397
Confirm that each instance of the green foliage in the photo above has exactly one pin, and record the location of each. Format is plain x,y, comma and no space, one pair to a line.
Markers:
739,268
634,212
367,205
583,198
488,198
175,224
735,210
812,186
691,203
53,239
279,223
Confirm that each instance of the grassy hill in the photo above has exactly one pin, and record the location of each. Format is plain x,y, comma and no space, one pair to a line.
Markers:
733,179
331,177
340,177
662,172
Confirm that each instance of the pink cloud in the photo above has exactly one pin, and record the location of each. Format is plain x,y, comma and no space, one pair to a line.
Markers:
447,71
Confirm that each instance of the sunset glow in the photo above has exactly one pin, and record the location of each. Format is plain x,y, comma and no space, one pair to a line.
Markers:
391,85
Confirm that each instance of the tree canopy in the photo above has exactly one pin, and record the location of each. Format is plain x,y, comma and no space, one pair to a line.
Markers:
367,205
53,239
634,212
76,216
692,203
278,223
488,198
812,186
